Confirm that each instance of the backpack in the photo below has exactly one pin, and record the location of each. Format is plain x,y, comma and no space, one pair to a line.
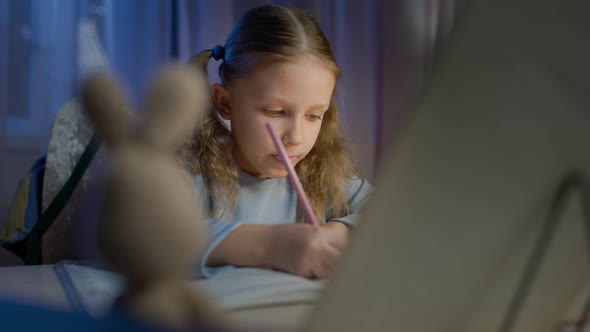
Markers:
27,223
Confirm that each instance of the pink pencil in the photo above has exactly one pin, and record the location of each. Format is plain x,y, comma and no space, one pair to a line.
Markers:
293,176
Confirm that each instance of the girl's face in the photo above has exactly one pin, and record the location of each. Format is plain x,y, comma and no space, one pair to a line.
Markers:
293,95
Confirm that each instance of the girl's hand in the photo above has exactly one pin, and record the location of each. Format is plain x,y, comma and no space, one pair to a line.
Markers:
305,250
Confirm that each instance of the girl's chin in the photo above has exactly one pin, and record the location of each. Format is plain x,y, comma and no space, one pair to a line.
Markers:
273,174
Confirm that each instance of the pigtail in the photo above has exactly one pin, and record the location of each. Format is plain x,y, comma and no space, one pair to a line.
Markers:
206,153
201,60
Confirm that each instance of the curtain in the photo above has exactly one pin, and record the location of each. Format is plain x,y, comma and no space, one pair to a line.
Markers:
384,47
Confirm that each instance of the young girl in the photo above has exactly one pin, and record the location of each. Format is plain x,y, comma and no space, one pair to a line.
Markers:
276,66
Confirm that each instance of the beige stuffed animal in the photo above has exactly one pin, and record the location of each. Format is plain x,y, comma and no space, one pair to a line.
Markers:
150,230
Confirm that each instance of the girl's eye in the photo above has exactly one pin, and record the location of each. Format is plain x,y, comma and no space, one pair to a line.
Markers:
275,112
314,117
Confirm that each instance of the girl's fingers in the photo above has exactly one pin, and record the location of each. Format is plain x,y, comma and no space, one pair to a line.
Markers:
327,262
336,234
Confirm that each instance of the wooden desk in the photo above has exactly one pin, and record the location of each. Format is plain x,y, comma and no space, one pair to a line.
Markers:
40,285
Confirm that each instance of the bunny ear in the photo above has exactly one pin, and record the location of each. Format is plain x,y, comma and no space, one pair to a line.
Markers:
106,108
176,105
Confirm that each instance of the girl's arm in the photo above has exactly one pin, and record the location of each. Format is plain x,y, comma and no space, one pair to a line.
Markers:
247,245
300,249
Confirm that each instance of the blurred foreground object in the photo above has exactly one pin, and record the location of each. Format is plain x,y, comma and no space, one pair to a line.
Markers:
476,224
150,229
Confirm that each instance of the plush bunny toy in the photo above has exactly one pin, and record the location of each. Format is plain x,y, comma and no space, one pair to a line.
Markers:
150,229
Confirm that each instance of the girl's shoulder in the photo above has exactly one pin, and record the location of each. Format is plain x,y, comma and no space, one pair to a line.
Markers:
358,186
357,181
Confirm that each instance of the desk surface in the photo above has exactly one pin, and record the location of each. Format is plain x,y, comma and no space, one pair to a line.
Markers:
34,285
40,285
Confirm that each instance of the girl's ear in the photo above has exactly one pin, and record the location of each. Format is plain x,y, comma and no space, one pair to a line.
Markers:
220,97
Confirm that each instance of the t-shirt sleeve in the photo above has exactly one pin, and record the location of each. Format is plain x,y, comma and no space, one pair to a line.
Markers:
217,231
359,193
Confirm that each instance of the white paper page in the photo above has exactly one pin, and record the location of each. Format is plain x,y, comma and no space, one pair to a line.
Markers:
240,288
93,289
232,289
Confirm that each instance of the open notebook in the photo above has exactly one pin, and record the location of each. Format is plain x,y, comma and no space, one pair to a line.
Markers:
93,290
461,202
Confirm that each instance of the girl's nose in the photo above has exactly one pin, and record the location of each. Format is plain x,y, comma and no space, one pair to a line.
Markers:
294,133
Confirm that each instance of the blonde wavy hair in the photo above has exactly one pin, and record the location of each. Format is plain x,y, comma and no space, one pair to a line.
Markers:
272,31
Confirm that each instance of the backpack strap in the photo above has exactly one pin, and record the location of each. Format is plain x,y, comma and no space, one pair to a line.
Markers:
33,254
25,207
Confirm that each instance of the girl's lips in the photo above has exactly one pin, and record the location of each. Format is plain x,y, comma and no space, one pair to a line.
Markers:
293,159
